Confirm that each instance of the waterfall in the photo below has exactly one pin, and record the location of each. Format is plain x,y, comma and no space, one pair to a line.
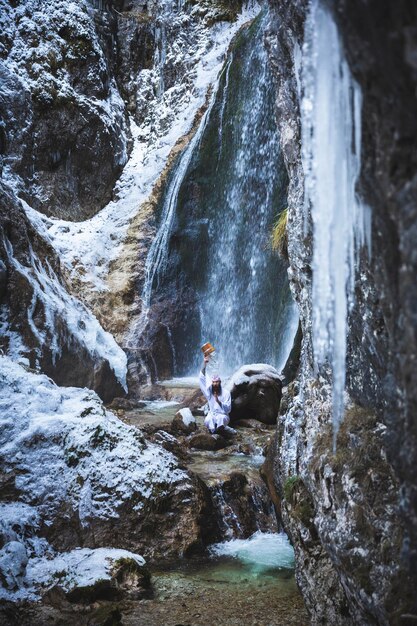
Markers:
232,192
216,218
331,155
158,253
241,311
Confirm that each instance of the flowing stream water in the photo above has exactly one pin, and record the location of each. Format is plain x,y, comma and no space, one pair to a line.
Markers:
225,193
250,571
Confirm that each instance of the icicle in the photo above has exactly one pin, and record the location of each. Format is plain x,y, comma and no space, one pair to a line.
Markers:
331,140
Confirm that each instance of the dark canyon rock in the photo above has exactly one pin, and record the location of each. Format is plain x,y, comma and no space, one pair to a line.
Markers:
343,569
66,132
40,311
206,441
184,422
256,393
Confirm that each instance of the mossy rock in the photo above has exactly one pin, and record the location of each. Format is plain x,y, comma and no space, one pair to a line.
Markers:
102,589
300,503
290,486
128,572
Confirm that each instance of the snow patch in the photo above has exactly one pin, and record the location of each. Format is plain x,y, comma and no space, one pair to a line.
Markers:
59,305
81,567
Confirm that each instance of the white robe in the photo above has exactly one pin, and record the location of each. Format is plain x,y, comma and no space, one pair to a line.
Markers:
217,415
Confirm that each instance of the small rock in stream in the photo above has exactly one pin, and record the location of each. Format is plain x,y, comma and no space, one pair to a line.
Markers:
184,422
206,441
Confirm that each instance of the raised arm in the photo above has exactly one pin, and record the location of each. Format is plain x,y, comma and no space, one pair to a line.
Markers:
202,379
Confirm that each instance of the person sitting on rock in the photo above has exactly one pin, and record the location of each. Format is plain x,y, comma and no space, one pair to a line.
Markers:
218,399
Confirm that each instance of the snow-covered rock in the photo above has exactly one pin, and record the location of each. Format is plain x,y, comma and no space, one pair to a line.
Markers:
184,421
13,561
256,391
66,121
81,475
40,322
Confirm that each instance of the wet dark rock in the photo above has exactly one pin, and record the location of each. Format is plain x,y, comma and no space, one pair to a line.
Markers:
293,362
256,393
170,443
184,422
125,404
267,472
58,136
206,441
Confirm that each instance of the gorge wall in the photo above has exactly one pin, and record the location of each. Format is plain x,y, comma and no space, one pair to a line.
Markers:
99,102
351,510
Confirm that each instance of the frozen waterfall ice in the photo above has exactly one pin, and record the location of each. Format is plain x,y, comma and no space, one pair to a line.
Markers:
331,155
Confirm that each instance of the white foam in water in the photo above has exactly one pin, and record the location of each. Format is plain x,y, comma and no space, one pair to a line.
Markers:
331,143
160,404
262,550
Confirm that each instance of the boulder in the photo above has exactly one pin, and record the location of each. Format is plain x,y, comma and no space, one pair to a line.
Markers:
184,422
256,391
13,561
206,441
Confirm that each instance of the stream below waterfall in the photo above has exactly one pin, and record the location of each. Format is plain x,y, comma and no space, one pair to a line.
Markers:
247,575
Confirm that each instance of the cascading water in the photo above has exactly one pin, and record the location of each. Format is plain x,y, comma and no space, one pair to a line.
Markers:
218,212
239,311
331,144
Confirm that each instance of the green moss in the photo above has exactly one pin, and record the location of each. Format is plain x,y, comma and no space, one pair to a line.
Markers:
304,511
126,566
279,238
290,486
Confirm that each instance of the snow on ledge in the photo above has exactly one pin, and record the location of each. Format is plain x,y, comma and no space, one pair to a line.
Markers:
58,303
81,567
258,371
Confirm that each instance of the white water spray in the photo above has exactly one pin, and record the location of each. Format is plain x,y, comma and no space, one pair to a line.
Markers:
331,143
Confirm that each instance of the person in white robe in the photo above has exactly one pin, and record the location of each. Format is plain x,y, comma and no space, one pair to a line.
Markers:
218,399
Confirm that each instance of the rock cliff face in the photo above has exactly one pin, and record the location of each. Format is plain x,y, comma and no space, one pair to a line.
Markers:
352,513
41,324
84,85
63,117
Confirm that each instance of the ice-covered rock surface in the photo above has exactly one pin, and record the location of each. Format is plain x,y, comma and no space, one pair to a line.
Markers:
65,119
